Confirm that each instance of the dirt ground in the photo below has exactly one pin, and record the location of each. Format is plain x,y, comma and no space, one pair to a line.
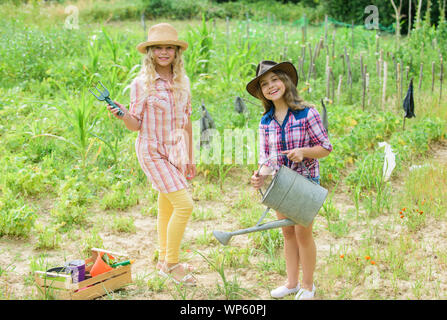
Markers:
16,278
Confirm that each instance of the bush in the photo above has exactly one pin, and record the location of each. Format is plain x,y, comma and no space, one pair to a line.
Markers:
175,9
120,197
16,218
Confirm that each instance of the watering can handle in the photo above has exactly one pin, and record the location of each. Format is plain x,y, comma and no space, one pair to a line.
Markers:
274,157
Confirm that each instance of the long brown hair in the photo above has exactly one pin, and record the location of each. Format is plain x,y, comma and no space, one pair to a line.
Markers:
291,96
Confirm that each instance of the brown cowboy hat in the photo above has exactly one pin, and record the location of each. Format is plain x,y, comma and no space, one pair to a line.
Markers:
266,66
161,34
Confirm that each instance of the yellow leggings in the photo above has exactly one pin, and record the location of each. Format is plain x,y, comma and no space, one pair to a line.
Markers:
174,210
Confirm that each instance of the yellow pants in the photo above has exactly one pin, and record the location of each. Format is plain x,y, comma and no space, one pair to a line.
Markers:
174,210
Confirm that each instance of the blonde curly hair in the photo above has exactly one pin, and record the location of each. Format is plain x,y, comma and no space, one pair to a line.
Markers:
180,79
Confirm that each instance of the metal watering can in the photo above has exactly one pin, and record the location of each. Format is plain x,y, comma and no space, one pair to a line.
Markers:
291,194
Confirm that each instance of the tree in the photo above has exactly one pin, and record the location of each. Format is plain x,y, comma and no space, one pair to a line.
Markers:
398,16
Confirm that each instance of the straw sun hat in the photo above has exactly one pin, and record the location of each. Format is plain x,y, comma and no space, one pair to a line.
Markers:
161,34
266,66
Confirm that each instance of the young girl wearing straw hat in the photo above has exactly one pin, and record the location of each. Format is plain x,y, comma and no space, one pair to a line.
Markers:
291,132
160,110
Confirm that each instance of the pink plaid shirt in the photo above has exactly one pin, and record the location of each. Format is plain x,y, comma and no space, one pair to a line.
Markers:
160,146
301,128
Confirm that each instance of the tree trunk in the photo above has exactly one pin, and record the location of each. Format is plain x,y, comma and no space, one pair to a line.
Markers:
418,15
397,11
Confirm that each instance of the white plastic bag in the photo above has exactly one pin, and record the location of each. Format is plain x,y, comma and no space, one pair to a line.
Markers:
390,160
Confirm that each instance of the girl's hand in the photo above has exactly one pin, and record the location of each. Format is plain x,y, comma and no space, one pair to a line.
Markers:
257,181
296,155
115,111
190,171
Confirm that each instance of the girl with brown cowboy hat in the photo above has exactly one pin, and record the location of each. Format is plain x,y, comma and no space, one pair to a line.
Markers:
291,132
160,110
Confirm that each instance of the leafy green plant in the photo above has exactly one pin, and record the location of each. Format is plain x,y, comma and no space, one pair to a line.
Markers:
123,224
230,289
121,196
16,217
48,237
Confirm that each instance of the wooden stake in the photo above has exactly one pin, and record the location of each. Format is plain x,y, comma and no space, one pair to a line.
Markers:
363,90
332,84
440,80
361,67
333,45
401,81
340,79
377,43
367,88
310,63
385,74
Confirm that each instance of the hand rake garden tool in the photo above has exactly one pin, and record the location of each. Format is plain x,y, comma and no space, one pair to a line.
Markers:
289,193
104,96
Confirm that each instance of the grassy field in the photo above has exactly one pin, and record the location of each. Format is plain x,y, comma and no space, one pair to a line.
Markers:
70,180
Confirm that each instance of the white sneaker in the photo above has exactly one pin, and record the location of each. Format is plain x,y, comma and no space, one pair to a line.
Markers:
304,294
283,291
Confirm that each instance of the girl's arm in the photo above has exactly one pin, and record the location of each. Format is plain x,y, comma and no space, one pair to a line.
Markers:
318,135
130,122
298,154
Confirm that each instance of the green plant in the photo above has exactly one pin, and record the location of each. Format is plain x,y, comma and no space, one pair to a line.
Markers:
121,196
93,240
230,289
123,224
16,217
48,237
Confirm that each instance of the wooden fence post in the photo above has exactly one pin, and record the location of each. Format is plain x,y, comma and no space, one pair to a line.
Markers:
385,74
440,80
420,75
340,79
367,88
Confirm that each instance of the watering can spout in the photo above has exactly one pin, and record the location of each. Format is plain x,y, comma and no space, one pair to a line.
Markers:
224,237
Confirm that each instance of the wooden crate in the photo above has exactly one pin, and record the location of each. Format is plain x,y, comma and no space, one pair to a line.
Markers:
63,287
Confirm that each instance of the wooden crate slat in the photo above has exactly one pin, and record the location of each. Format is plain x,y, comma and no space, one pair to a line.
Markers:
102,288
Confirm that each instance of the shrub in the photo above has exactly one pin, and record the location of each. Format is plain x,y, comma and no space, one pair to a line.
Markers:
16,218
